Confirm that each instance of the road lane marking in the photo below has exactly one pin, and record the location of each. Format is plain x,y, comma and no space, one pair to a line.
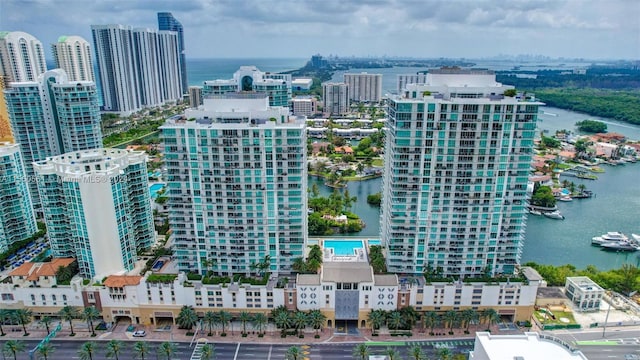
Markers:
237,350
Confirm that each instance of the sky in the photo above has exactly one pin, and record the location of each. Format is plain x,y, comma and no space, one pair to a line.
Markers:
592,29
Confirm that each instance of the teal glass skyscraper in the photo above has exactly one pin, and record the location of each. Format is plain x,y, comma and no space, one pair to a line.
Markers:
166,21
17,220
457,160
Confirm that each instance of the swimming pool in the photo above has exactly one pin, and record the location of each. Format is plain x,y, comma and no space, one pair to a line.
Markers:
154,188
343,247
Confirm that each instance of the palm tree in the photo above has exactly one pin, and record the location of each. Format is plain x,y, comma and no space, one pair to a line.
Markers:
141,348
361,351
376,319
395,320
450,318
46,321
187,318
300,321
168,349
467,316
431,319
114,347
416,352
316,320
244,318
87,350
210,318
493,318
444,354
224,317
207,352
45,350
283,321
4,315
260,320
68,313
13,347
410,315
293,353
89,314
391,354
23,317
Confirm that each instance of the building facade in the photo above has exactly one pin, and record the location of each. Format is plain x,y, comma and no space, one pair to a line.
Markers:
53,116
17,219
21,57
237,175
97,202
335,97
455,177
195,96
138,68
6,135
304,106
406,79
250,79
364,87
584,293
167,22
73,55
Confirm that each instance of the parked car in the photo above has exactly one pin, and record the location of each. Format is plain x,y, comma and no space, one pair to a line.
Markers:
139,333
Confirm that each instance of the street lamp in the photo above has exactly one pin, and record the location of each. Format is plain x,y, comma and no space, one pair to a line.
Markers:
604,328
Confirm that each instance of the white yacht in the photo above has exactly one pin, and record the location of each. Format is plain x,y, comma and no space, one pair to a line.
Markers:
609,237
554,215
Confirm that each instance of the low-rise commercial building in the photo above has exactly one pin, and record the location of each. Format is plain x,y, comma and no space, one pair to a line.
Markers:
585,294
529,346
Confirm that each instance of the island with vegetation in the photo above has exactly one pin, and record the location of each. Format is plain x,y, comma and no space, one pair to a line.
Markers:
333,213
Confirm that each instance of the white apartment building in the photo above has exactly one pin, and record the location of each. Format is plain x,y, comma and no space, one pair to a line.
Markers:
406,79
457,160
304,106
529,346
237,179
250,79
73,55
364,87
97,202
195,96
335,98
21,56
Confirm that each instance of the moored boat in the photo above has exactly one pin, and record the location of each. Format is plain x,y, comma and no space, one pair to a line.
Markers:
554,215
611,236
620,246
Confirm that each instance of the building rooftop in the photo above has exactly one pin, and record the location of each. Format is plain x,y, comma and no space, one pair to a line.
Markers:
531,274
308,279
118,281
353,272
550,292
584,283
385,280
34,270
527,346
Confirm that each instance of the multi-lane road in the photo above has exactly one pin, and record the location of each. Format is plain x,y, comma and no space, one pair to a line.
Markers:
618,344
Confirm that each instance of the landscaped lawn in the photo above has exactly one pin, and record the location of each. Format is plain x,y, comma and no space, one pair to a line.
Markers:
558,314
377,162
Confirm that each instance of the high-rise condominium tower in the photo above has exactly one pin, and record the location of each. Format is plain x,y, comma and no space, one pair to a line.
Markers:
21,57
237,175
51,117
73,55
364,87
457,159
249,78
17,220
97,208
336,98
166,21
6,135
138,68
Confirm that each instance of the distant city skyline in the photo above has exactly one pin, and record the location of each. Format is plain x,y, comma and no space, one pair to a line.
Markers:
436,28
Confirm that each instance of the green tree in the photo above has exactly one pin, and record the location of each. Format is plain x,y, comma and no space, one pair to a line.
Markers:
395,320
283,321
260,321
69,313
416,353
316,320
89,314
167,349
450,318
13,347
374,199
543,196
592,126
431,320
187,318
410,316
114,348
244,318
4,315
293,353
23,317
87,350
361,351
490,317
141,349
376,319
46,320
45,350
210,318
299,321
467,316
207,352
391,354
224,317
444,354
510,92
